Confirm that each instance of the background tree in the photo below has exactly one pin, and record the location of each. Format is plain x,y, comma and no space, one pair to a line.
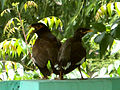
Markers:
67,15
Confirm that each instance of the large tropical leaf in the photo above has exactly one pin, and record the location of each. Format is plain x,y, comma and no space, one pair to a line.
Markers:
105,44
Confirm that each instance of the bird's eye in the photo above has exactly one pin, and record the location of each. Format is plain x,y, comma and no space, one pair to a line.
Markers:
38,27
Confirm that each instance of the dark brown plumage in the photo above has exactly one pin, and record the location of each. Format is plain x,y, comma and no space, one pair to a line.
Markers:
63,59
72,52
46,48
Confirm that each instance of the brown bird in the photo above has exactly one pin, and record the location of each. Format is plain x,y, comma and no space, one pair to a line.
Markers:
46,48
72,53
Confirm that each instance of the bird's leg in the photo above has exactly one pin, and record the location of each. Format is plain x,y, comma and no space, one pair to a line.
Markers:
80,72
61,73
45,77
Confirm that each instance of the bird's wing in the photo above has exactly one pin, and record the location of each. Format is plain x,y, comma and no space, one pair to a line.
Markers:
64,53
76,55
53,54
40,53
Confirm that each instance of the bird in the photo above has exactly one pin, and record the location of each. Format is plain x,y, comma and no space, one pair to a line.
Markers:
45,49
72,53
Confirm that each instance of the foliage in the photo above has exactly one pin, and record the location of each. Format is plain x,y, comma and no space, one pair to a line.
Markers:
15,71
113,70
107,25
59,15
13,48
54,24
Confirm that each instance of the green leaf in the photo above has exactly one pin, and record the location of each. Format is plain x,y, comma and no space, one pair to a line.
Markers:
6,11
3,55
19,50
11,74
99,27
25,6
52,22
0,53
110,68
117,7
57,22
116,64
69,29
99,38
116,32
29,32
55,25
45,20
86,74
30,4
118,71
89,8
3,3
3,76
106,41
103,9
15,4
24,47
98,14
102,71
110,8
10,27
21,7
49,22
101,12
113,20
84,65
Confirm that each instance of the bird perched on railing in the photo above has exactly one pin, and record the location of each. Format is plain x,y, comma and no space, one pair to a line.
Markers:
64,58
46,48
72,53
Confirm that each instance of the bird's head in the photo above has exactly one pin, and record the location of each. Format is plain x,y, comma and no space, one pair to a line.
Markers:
39,27
81,32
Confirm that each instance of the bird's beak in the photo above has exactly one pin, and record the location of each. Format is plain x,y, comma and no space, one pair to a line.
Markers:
89,31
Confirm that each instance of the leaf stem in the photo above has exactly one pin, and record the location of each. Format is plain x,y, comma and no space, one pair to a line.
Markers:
23,30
